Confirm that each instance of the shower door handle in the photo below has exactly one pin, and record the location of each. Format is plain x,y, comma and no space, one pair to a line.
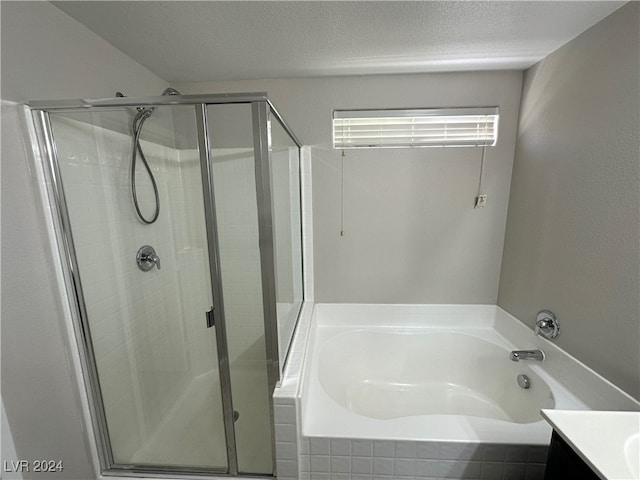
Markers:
210,318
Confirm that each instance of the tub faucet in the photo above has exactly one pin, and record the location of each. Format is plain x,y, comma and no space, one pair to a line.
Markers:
518,355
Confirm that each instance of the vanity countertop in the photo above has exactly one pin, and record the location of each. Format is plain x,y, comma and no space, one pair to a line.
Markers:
609,442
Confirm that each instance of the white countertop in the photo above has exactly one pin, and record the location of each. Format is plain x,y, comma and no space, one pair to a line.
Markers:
609,442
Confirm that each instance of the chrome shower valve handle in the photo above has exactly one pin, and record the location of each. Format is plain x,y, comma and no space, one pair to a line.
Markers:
147,258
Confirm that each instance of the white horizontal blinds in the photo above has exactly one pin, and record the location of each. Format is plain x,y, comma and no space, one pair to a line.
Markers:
458,127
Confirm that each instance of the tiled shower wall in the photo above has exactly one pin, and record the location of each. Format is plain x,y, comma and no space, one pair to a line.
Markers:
139,346
189,233
148,327
237,217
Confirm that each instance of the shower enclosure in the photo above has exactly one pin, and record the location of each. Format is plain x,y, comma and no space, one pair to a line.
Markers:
184,272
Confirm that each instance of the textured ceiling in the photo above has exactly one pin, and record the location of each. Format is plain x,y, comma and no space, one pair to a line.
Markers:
184,41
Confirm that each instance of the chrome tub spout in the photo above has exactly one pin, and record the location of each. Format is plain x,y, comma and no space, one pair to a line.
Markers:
518,355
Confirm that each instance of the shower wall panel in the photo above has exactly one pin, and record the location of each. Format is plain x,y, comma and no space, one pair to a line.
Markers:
189,233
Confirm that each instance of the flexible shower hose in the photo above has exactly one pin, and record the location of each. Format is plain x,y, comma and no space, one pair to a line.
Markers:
138,121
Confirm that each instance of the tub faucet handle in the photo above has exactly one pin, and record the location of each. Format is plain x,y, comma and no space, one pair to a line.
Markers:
547,324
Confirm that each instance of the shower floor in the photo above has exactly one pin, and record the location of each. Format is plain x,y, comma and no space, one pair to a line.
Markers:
192,435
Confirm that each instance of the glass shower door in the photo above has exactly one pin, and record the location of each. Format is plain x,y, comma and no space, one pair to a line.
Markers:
156,362
233,164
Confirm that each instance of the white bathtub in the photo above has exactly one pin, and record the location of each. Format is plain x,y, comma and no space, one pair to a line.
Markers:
437,373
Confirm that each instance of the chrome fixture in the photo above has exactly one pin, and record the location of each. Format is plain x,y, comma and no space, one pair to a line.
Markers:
518,355
547,324
138,121
147,258
524,381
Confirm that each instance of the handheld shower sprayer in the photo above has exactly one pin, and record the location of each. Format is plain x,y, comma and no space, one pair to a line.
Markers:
138,121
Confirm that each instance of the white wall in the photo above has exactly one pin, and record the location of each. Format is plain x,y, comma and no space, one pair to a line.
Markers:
39,389
572,232
45,55
48,55
411,233
8,452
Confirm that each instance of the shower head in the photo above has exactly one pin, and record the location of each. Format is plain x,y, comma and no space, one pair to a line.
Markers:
145,112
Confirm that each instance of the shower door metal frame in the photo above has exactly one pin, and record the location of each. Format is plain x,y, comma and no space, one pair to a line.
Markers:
206,166
261,109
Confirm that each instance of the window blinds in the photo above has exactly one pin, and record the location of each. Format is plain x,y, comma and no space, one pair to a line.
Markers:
455,127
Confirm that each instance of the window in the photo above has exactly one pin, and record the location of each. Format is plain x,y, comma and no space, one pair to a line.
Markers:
452,127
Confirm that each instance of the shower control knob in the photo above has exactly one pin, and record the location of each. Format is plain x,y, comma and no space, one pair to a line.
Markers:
147,258
547,324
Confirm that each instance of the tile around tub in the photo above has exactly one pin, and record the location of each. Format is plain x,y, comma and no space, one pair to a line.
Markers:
304,446
461,451
358,476
406,450
383,449
517,453
320,464
319,446
305,463
535,472
514,471
459,469
340,476
362,465
428,450
284,413
287,468
362,448
382,466
538,454
340,464
491,471
427,468
404,467
320,476
340,446
285,432
286,451
494,453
